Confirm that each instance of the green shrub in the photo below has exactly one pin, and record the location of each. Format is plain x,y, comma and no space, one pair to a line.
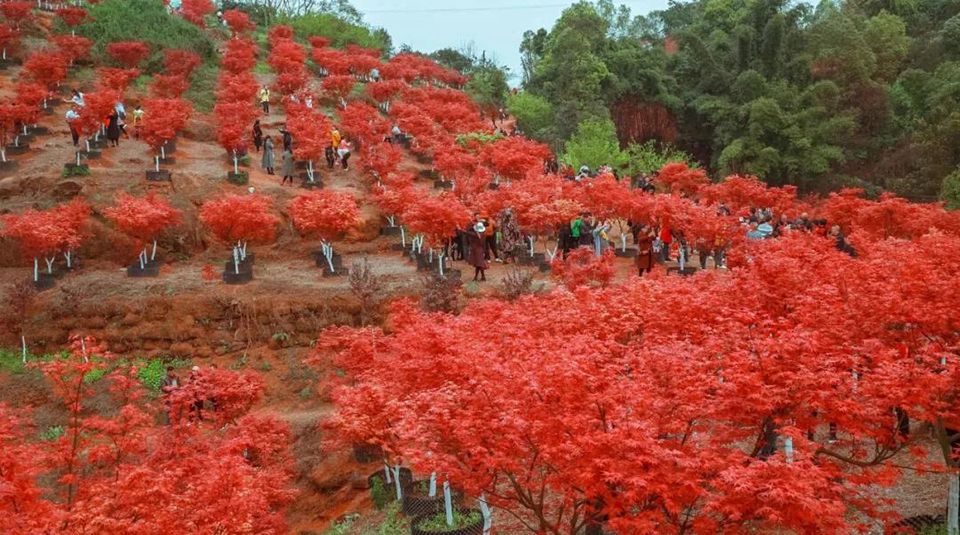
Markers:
379,493
52,433
203,82
94,375
950,191
11,362
340,32
75,171
142,20
151,372
393,523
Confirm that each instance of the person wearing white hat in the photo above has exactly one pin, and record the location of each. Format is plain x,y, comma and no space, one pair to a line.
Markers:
475,246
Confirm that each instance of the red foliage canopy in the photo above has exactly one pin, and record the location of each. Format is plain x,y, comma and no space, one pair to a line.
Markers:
180,62
73,16
16,12
142,217
240,218
286,55
9,38
312,132
45,233
240,55
233,121
98,105
339,86
681,179
168,86
195,11
128,53
238,21
166,117
236,87
73,47
116,79
47,68
437,217
324,213
516,157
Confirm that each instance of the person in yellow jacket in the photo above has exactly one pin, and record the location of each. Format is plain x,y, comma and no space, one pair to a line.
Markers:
264,97
335,138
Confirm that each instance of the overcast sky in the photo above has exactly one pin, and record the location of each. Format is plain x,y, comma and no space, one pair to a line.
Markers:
496,26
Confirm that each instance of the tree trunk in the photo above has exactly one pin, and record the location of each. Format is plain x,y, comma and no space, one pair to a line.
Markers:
447,503
433,485
953,523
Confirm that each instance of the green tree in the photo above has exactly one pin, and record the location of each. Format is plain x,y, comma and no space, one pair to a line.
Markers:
887,36
950,191
488,88
594,144
534,114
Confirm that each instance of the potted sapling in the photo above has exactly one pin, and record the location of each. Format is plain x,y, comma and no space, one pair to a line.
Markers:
143,219
239,220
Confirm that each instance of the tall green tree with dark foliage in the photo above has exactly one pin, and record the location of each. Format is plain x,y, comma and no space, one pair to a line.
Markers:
846,92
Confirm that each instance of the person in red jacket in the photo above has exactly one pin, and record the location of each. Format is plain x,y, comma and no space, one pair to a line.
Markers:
666,239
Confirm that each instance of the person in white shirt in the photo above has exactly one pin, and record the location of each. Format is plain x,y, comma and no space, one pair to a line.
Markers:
77,98
72,117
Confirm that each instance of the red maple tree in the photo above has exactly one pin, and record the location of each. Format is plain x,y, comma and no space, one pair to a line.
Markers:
17,12
9,39
116,79
238,21
128,53
46,68
48,233
167,116
73,47
240,55
180,62
339,87
195,11
143,219
437,218
325,214
239,220
168,85
233,121
236,87
73,16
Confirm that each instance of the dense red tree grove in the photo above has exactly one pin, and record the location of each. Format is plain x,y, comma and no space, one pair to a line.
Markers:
229,471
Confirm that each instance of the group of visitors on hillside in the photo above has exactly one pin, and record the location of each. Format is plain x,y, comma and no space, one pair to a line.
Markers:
172,383
338,151
113,126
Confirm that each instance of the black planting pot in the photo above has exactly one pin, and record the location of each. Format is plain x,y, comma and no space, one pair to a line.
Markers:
158,176
14,150
249,259
53,102
544,267
39,130
45,281
367,453
306,184
8,165
493,186
150,269
472,529
687,271
442,184
424,263
25,139
630,252
243,277
390,231
306,176
169,147
97,144
397,247
243,266
91,154
239,179
321,262
169,160
301,166
406,478
416,502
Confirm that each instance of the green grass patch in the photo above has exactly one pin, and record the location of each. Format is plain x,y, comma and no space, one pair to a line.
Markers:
201,90
151,372
438,522
141,20
52,433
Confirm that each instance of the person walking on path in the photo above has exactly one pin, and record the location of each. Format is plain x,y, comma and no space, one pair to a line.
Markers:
71,117
287,138
113,128
644,239
264,98
137,121
267,160
344,153
257,135
475,251
287,169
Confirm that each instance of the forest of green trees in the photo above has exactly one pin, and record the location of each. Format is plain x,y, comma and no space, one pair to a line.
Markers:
859,93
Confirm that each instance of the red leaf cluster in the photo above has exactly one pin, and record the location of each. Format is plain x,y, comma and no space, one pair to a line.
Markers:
128,53
324,213
240,218
195,11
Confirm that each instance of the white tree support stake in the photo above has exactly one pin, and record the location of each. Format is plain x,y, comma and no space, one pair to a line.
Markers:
386,471
23,344
788,449
447,503
236,168
433,485
236,261
485,511
396,481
